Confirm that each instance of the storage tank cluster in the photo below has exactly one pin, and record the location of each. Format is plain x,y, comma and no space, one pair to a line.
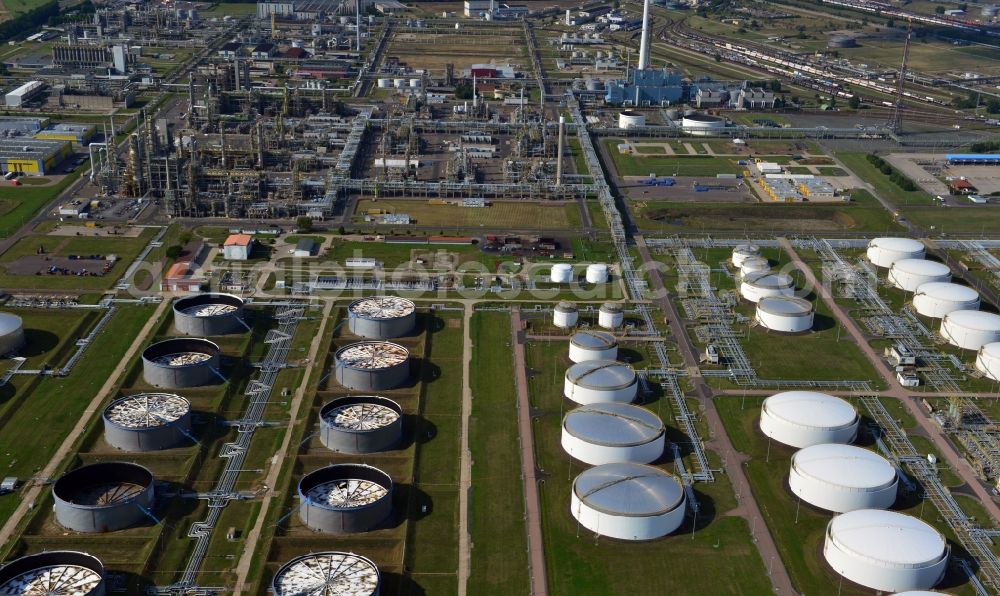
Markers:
592,345
628,501
103,497
910,274
181,362
381,317
805,418
147,422
785,314
565,315
11,333
600,381
604,433
56,573
372,365
206,315
970,329
763,284
937,299
883,252
327,573
345,498
361,424
562,273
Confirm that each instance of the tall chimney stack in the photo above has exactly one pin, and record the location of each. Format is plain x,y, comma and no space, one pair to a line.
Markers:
559,150
644,40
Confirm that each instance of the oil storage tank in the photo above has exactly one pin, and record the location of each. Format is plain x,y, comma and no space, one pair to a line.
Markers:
611,315
883,252
785,314
842,478
329,573
565,315
630,119
11,333
702,125
804,418
205,315
561,273
601,381
970,329
181,362
597,273
103,497
361,424
910,274
345,498
753,265
381,317
53,573
628,501
147,422
607,433
988,360
936,299
743,252
761,284
885,550
372,365
592,345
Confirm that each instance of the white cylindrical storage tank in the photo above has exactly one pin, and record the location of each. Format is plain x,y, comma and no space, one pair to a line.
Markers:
630,119
611,315
565,315
592,345
910,274
384,83
597,273
561,273
613,432
399,83
754,265
842,478
415,83
883,252
786,314
743,252
600,381
11,333
885,550
761,284
936,299
988,360
628,501
702,125
330,572
970,329
805,418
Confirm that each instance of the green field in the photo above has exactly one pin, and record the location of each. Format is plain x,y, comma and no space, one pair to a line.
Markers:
676,165
21,203
885,187
508,214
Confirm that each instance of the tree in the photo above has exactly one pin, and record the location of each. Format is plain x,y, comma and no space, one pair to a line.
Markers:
855,102
939,9
993,106
304,224
718,58
463,91
341,230
776,86
173,251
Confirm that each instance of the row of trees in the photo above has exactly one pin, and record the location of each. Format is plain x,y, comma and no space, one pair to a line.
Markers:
898,178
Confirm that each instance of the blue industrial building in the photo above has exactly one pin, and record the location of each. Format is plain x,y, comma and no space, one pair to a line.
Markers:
973,159
646,87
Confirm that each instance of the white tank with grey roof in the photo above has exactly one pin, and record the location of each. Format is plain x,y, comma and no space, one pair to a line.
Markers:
785,314
910,274
883,252
760,284
607,433
565,315
601,381
804,418
842,478
611,315
628,501
742,252
592,345
936,299
970,329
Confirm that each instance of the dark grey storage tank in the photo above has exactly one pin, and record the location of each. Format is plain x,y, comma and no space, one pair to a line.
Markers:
205,315
381,317
147,422
345,498
56,573
372,365
103,497
361,424
181,362
328,573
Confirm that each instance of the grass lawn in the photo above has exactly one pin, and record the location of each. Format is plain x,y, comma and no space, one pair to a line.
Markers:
677,165
831,171
51,332
858,163
977,220
29,200
510,214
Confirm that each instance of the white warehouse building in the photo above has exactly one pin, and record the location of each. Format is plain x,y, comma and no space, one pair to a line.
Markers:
883,252
761,284
805,418
936,299
910,274
601,381
628,501
970,329
613,432
842,478
885,550
785,314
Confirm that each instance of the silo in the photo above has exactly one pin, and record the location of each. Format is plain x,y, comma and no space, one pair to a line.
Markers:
345,498
561,273
630,119
754,265
11,333
760,284
205,315
181,362
970,329
372,365
885,550
55,573
910,274
883,252
327,573
988,360
842,478
147,422
361,424
600,381
743,252
785,314
611,315
628,501
605,433
592,345
936,299
804,418
104,497
597,273
565,315
384,83
381,317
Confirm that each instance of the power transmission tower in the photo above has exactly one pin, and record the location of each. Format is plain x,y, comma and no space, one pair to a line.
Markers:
896,123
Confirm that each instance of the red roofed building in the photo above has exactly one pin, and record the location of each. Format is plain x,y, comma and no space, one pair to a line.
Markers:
182,276
962,186
237,247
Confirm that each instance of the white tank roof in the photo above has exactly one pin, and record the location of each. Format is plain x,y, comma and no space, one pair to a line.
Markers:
810,409
944,290
747,249
629,489
566,307
897,244
786,306
613,424
593,340
974,319
886,538
601,374
9,323
844,466
921,267
765,279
